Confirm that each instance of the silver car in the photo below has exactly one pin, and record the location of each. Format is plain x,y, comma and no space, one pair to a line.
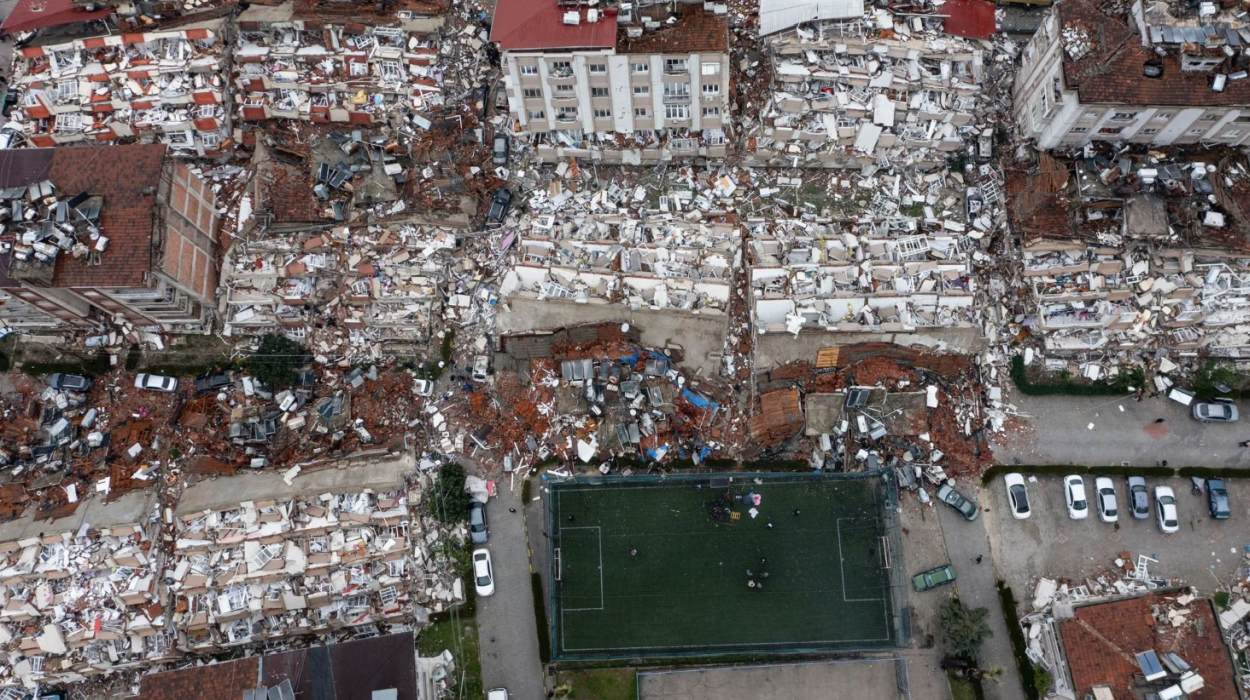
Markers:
1138,497
1217,411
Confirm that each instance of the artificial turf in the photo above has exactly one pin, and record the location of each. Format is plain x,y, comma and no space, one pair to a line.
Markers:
658,568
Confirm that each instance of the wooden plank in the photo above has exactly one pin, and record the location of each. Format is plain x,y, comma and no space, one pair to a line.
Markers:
827,357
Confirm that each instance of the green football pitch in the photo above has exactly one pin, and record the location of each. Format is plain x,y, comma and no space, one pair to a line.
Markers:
682,565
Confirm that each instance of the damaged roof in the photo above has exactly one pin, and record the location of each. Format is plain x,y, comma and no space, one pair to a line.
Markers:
39,14
693,30
539,24
1107,66
223,681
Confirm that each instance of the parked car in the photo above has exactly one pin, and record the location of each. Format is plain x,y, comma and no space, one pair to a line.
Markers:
1217,411
478,531
423,387
481,365
1074,492
927,580
1165,508
1217,499
1017,496
966,506
211,382
156,382
483,573
69,382
1104,491
497,694
1138,497
499,149
499,206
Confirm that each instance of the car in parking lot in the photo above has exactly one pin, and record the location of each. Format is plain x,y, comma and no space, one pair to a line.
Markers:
1217,499
483,573
1104,491
1165,508
1017,496
68,382
1138,497
478,532
952,497
1216,411
927,580
1074,493
156,382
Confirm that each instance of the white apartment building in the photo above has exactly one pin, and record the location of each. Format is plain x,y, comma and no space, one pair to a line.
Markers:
1147,77
617,85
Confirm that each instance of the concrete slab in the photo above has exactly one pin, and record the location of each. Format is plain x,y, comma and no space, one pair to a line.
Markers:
776,349
130,509
701,336
217,494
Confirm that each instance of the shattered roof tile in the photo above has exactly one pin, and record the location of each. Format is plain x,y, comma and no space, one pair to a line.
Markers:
695,30
223,681
539,24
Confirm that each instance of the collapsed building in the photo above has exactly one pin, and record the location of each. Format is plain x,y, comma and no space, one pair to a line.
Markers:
618,84
851,88
1142,72
85,248
1132,251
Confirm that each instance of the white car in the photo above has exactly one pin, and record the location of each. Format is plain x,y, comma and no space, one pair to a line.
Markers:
483,573
156,382
481,367
1165,507
423,387
1017,496
1104,491
497,694
1074,492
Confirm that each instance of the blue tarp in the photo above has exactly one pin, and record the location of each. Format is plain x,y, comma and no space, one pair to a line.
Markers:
697,400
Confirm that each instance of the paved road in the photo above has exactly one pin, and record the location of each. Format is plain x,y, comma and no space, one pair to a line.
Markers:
505,621
1124,431
975,583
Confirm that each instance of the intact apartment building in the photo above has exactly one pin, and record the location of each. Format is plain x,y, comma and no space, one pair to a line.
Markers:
105,233
619,84
1147,76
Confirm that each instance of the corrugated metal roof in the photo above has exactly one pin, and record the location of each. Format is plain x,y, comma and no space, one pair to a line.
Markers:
521,25
780,15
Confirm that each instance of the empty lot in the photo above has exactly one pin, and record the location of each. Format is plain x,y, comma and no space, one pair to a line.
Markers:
1051,544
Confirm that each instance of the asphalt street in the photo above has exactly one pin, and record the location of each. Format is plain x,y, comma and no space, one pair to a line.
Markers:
975,583
1109,430
505,621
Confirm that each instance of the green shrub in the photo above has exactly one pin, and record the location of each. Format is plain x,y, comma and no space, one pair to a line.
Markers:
1065,386
1027,677
1221,599
964,629
540,617
276,360
450,502
88,367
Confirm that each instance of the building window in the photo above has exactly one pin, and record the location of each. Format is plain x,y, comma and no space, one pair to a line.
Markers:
1163,115
1080,130
598,92
642,90
674,65
711,88
711,111
1123,116
1232,134
603,114
640,67
537,116
566,115
532,93
641,111
677,111
1148,132
1091,115
598,67
1195,132
564,90
1110,130
676,90
709,68
529,70
561,67
1208,117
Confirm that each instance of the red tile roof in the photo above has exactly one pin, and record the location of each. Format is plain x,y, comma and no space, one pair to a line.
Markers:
539,24
1111,72
223,681
973,19
127,177
694,31
1100,642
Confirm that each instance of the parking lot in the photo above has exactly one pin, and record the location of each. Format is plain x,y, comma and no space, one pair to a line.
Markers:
1051,544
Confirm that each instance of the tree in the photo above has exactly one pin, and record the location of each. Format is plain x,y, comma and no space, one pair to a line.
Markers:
274,363
963,629
450,503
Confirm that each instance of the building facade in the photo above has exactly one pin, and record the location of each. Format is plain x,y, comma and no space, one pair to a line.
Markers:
1146,77
628,88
